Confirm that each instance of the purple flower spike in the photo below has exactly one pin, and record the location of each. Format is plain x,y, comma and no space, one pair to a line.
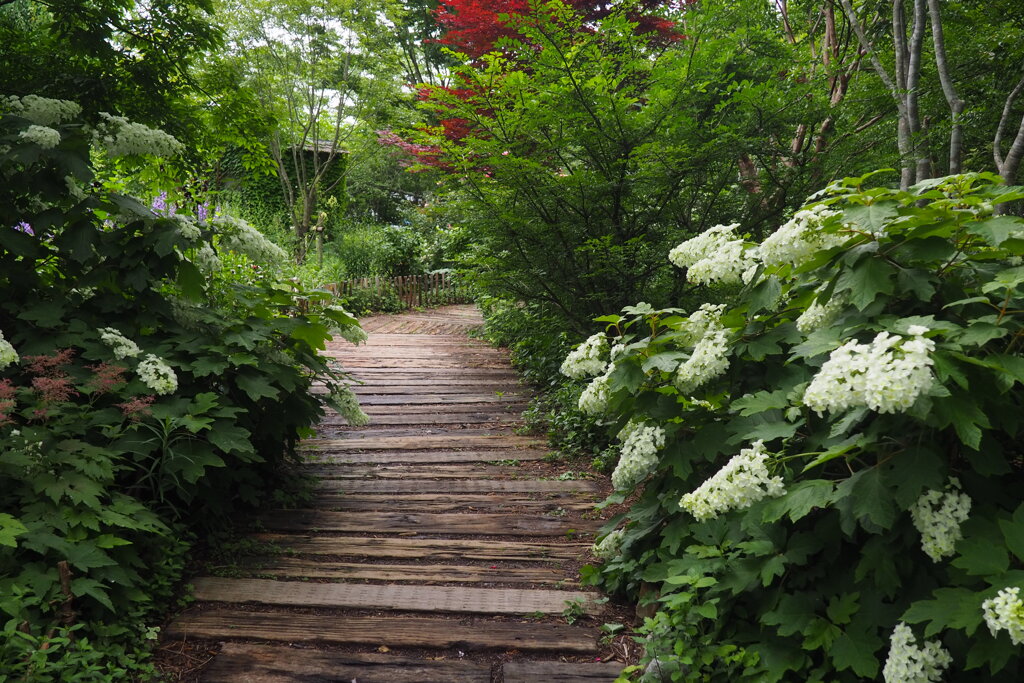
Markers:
25,228
202,212
160,203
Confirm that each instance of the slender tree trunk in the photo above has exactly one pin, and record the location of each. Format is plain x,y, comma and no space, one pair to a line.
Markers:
1009,164
956,105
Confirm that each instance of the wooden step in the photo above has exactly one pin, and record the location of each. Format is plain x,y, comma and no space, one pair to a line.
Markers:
475,523
427,550
428,419
559,672
248,663
376,389
451,504
425,573
452,599
423,442
456,486
444,399
328,457
465,634
388,471
446,409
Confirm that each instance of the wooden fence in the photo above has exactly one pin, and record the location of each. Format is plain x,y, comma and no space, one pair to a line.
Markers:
431,289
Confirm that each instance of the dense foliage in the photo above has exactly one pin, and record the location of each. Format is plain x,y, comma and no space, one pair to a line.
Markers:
828,466
140,389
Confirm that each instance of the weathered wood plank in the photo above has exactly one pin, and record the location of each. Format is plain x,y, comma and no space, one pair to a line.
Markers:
423,442
454,599
457,486
451,408
560,672
508,397
429,373
247,663
395,503
419,573
464,634
415,431
421,457
486,524
412,471
437,418
427,550
376,389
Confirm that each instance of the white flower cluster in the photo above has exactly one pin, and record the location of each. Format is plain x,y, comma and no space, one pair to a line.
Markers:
908,663
122,346
714,255
700,321
609,546
240,237
122,138
156,374
886,375
639,454
1005,612
587,359
206,259
594,399
800,238
817,315
354,334
709,359
41,110
7,353
45,137
344,400
938,516
187,228
742,482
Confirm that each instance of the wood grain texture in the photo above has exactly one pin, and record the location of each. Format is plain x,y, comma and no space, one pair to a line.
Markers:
427,550
476,523
405,573
327,456
451,599
455,486
524,671
423,442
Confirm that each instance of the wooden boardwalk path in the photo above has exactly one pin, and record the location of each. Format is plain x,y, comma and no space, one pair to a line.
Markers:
438,546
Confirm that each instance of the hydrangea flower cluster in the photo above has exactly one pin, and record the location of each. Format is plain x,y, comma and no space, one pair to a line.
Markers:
156,374
122,346
742,482
886,375
908,663
206,259
714,255
819,315
344,400
938,516
587,359
594,399
241,238
800,238
1005,612
700,321
609,546
187,228
122,138
41,110
354,334
639,457
7,353
709,359
45,137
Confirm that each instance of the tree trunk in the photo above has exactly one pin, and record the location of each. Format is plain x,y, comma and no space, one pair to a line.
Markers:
956,105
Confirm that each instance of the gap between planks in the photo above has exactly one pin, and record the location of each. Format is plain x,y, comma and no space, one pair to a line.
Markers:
426,550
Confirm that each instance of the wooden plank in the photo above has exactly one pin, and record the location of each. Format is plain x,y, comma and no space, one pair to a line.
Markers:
422,457
419,363
465,634
376,389
429,419
454,599
507,397
466,373
415,431
420,573
450,504
434,408
248,663
427,549
560,672
426,441
457,486
477,523
339,471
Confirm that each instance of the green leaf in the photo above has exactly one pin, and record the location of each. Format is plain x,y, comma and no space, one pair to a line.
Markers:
751,404
1008,278
948,608
872,217
230,438
314,334
191,281
865,498
866,280
799,500
980,556
1013,533
855,650
667,361
628,376
256,386
10,529
997,229
83,586
979,333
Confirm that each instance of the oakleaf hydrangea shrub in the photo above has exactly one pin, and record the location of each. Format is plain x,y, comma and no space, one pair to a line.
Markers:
134,400
828,488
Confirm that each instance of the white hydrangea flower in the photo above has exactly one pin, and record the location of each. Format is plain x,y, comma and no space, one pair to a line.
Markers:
817,316
714,255
609,546
187,228
41,110
617,352
594,399
800,238
45,137
156,374
8,354
122,346
122,138
587,359
344,400
75,190
908,663
887,375
240,237
206,259
1005,612
639,455
710,358
938,516
705,318
742,482
353,334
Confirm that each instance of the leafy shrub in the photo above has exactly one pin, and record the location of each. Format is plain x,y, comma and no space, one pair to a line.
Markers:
137,395
869,376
